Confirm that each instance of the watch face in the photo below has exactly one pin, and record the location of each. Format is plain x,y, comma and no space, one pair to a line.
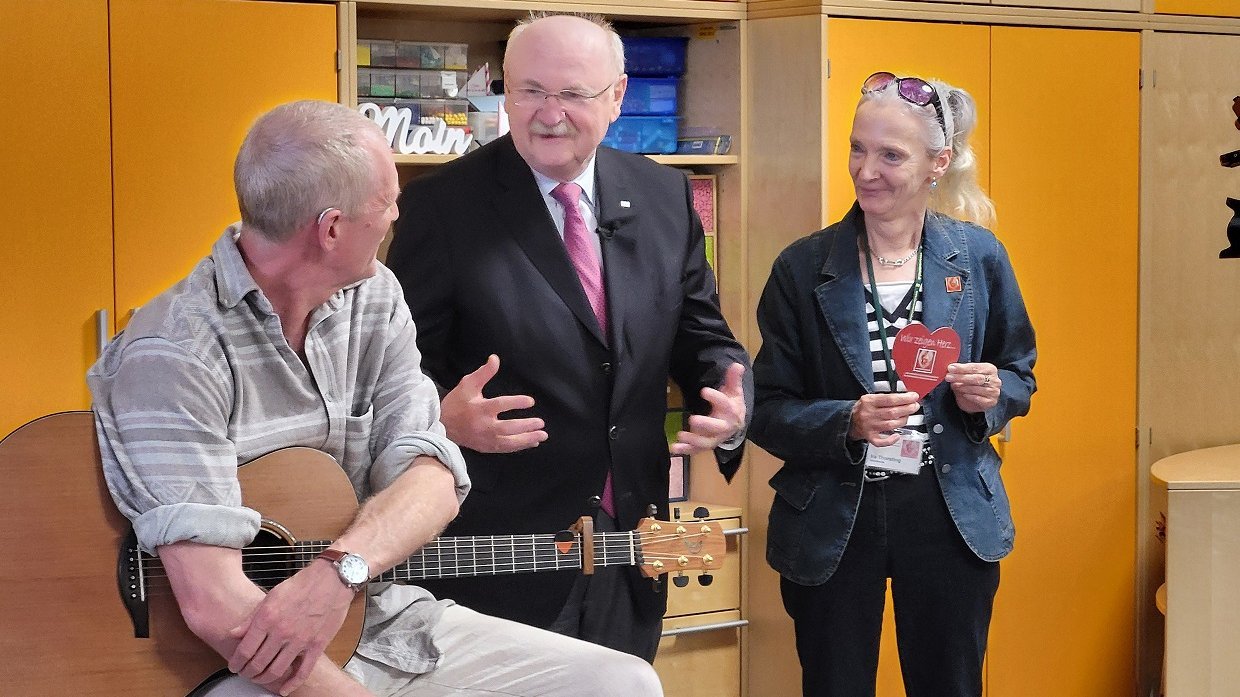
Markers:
354,569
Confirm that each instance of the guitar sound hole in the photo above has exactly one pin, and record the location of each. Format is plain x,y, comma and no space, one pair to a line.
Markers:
269,560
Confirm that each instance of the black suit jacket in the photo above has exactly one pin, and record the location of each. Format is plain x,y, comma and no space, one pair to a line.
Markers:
485,271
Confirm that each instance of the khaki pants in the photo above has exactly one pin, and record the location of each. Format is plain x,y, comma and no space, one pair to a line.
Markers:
483,655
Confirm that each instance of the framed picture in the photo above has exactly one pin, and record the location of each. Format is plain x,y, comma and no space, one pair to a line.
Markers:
675,421
705,201
678,480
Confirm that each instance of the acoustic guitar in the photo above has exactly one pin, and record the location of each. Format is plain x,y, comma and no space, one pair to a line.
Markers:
83,612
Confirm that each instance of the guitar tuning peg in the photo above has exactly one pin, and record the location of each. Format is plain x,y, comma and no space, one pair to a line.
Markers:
680,580
657,582
706,579
652,510
701,512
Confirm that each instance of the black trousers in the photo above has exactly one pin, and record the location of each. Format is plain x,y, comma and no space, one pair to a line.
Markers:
600,608
943,596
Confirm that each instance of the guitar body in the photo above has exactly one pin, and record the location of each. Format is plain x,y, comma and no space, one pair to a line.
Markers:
63,627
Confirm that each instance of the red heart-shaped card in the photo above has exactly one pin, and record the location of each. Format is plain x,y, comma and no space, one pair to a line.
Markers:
922,356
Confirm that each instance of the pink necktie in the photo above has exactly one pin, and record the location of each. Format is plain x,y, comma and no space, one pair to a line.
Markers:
590,272
577,242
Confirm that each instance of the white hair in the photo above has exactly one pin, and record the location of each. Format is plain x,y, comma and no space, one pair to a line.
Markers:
957,193
300,158
613,39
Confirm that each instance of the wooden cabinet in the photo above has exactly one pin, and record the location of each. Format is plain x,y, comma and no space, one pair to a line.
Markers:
700,653
182,100
1202,507
57,251
112,205
1064,178
1058,153
1215,8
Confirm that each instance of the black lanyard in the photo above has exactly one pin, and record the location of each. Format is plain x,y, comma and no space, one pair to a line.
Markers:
878,305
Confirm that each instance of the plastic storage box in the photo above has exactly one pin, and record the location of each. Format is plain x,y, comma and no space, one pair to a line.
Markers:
650,96
643,134
654,55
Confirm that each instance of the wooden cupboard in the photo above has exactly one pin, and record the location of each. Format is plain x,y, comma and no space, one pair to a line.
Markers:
57,251
1189,389
1066,192
148,187
182,101
700,653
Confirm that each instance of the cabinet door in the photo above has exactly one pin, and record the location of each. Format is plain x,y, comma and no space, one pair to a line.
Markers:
1218,8
57,251
189,77
1128,5
1064,177
859,47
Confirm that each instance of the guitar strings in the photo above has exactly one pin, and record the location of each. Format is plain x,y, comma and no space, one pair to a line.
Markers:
273,565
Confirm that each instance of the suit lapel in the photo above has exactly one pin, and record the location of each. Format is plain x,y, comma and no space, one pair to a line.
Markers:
941,308
520,206
842,302
617,226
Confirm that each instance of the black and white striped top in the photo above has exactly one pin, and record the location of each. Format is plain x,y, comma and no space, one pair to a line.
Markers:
896,317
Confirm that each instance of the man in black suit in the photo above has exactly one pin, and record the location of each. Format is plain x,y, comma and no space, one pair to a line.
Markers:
582,269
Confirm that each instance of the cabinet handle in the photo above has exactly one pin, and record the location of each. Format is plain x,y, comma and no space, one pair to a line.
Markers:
698,629
102,332
735,531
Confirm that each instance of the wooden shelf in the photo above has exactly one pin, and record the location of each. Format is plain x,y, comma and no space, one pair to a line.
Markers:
656,11
674,160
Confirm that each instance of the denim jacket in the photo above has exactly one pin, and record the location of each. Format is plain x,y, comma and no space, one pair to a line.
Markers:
815,363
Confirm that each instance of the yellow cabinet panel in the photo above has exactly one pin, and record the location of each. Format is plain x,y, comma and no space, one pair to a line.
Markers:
1217,8
859,47
189,77
701,664
57,251
1064,178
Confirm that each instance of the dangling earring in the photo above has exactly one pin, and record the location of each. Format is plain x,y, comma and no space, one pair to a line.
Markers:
934,184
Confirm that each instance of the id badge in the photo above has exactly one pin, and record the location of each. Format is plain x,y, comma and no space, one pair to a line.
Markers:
902,456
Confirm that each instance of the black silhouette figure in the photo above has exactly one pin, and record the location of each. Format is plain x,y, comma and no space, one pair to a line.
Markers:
1233,232
1232,159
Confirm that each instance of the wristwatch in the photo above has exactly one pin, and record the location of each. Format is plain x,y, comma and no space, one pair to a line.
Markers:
354,572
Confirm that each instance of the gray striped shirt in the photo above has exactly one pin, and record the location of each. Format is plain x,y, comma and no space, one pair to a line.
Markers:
202,380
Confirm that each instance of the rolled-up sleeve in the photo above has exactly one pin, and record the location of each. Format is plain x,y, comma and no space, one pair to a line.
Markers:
406,407
162,425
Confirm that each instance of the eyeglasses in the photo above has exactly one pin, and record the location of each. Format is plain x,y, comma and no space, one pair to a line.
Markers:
532,97
323,214
913,90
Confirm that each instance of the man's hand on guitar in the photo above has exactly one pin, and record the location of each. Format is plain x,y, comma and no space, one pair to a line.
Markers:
472,421
286,634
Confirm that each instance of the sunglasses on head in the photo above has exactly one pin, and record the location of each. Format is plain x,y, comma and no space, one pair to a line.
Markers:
913,90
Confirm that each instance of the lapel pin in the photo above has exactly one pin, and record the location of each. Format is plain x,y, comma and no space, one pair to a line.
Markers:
625,204
953,284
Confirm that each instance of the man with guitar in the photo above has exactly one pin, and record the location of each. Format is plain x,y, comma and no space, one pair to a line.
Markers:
292,334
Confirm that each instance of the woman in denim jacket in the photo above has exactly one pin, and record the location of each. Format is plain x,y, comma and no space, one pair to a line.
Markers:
839,528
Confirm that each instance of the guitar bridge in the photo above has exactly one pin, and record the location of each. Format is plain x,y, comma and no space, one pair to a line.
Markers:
131,582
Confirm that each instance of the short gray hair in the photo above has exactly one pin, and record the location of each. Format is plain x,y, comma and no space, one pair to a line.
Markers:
300,158
616,45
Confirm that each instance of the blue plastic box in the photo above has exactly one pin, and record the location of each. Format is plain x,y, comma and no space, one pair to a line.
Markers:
654,55
643,134
650,96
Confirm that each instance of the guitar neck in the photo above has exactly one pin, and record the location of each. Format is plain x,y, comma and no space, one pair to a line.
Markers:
493,555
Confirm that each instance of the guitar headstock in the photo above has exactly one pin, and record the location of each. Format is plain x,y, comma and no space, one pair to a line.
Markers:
679,546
